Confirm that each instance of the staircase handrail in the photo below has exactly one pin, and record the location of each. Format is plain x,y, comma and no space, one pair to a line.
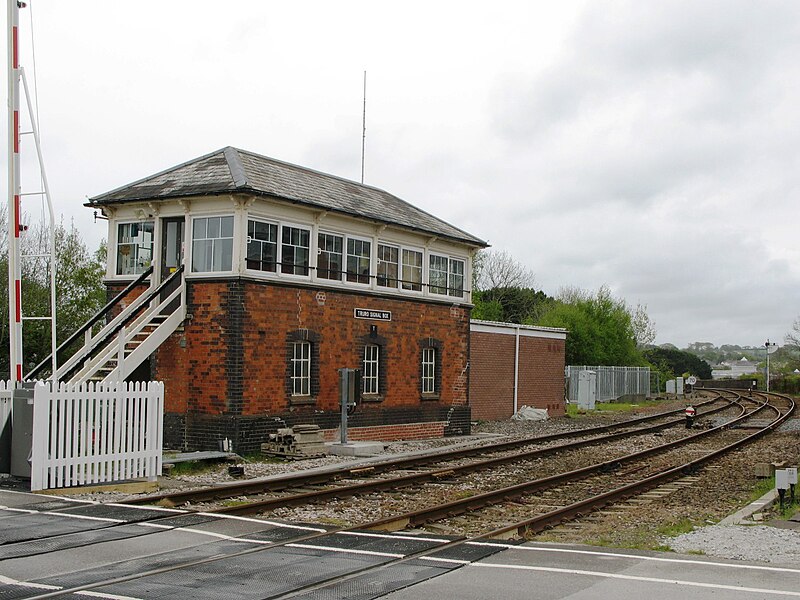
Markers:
147,299
89,324
126,335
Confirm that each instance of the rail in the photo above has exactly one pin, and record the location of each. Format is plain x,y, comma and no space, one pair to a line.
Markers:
106,334
293,480
37,370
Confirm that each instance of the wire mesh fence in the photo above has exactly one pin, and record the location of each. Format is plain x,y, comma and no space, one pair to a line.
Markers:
610,382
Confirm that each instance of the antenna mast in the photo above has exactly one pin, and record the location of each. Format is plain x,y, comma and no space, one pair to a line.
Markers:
364,127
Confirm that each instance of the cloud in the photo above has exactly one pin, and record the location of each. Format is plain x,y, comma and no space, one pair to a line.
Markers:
649,146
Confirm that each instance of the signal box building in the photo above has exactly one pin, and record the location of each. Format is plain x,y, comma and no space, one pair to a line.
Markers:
244,283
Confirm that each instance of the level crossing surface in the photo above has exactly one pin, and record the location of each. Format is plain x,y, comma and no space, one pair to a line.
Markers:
59,547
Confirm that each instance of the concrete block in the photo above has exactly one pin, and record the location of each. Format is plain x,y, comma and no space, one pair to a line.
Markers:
764,470
355,448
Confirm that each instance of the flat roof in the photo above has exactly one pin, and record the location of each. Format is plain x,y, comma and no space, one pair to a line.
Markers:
480,326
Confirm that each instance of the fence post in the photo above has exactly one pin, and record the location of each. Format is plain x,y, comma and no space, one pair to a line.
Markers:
42,399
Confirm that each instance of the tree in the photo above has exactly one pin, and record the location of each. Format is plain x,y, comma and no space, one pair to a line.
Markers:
502,289
793,337
644,329
498,269
511,305
674,362
600,328
80,292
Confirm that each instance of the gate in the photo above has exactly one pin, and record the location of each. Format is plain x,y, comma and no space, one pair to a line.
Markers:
6,392
87,433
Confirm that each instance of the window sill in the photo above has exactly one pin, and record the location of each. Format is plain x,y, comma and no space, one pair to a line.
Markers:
371,398
302,400
426,396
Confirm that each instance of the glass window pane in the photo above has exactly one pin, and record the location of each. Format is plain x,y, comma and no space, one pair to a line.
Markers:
329,257
199,228
358,260
412,270
213,227
226,227
134,247
295,251
456,277
437,274
225,250
201,256
387,266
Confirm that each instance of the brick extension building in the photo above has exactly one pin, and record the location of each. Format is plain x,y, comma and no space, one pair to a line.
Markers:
280,275
515,365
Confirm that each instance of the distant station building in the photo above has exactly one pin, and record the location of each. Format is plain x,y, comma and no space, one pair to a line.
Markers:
515,365
734,369
258,279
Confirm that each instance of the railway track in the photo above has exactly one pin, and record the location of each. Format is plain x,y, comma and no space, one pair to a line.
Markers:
627,476
439,464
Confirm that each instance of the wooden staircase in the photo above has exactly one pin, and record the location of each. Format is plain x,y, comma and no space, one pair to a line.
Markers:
113,351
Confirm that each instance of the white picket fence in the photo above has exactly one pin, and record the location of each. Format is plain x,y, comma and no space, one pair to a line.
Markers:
6,389
91,432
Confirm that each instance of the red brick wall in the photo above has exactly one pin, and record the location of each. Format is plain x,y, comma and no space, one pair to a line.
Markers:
241,340
385,433
541,374
540,380
114,288
491,377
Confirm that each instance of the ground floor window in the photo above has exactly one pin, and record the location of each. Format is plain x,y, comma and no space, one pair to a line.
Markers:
429,370
371,370
301,369
302,366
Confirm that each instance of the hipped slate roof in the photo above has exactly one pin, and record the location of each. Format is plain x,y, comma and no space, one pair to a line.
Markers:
231,170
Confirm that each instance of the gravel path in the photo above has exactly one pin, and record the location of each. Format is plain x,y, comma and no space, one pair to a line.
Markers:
754,542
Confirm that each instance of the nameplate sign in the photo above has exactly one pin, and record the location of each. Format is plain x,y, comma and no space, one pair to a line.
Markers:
372,314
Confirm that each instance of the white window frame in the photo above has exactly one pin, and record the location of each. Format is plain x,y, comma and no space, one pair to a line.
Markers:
403,280
347,255
371,370
429,370
379,262
451,290
431,290
117,244
277,226
301,359
343,255
310,232
193,240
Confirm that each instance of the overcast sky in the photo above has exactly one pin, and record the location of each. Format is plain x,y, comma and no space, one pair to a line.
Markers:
651,147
